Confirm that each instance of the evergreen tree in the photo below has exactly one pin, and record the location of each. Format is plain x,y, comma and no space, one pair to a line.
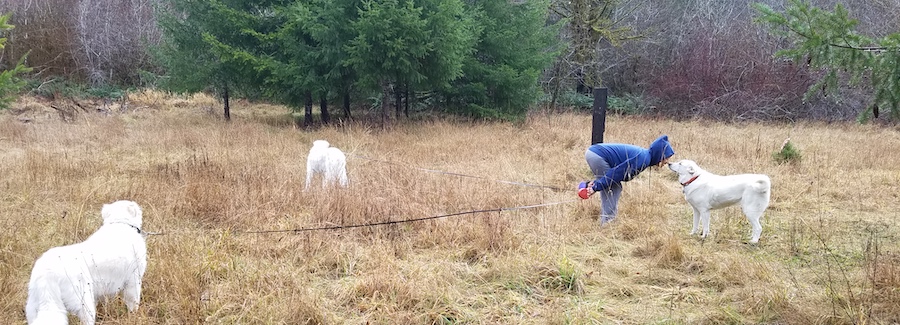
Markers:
828,40
500,79
408,42
190,52
293,51
286,57
300,53
9,82
312,55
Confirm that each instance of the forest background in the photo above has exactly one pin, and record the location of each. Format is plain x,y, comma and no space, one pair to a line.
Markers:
101,116
485,59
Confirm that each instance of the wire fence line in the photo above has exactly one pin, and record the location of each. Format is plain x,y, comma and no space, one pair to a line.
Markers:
555,188
394,222
384,223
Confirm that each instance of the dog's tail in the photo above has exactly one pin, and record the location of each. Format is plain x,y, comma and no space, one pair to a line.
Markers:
764,185
321,144
44,304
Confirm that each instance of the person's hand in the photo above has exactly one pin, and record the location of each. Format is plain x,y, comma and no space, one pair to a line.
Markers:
586,192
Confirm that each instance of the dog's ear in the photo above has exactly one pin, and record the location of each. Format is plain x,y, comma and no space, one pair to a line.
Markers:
104,212
691,169
134,210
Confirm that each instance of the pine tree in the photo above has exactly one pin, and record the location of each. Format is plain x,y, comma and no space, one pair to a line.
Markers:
308,54
191,49
408,42
9,82
294,51
828,41
326,23
500,78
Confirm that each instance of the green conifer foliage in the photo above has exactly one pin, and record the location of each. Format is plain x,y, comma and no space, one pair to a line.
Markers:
828,40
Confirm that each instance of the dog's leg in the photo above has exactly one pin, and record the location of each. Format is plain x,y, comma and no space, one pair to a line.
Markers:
328,178
696,222
132,293
343,174
87,310
757,231
309,173
753,215
704,217
31,305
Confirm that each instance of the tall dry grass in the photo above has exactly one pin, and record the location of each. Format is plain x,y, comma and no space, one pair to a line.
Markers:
828,253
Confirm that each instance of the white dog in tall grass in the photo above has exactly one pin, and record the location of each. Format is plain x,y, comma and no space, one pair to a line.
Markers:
706,191
328,161
74,278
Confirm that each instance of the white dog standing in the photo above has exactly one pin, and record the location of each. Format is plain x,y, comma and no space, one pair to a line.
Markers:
328,161
74,278
706,191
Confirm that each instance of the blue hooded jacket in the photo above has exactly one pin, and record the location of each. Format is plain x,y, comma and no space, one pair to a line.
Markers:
627,161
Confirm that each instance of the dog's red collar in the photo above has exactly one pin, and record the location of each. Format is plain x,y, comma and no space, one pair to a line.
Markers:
690,180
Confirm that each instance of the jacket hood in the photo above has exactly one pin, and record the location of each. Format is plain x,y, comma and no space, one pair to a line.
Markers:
660,149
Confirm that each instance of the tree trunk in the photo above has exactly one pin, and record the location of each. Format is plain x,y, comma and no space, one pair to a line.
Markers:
307,110
555,94
398,101
347,104
581,87
406,104
385,103
227,106
323,106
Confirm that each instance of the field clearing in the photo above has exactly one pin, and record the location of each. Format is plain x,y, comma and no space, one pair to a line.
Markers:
828,253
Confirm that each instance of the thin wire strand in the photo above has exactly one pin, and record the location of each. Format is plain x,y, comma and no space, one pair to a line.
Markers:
457,174
390,222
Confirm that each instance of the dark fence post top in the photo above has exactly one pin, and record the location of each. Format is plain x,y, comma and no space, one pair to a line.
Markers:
599,115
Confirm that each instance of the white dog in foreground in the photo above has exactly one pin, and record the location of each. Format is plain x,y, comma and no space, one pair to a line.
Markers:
706,191
328,161
74,278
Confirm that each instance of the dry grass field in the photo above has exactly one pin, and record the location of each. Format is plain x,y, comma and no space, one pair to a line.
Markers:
828,254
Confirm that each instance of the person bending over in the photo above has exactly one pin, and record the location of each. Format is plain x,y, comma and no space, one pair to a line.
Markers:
614,163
